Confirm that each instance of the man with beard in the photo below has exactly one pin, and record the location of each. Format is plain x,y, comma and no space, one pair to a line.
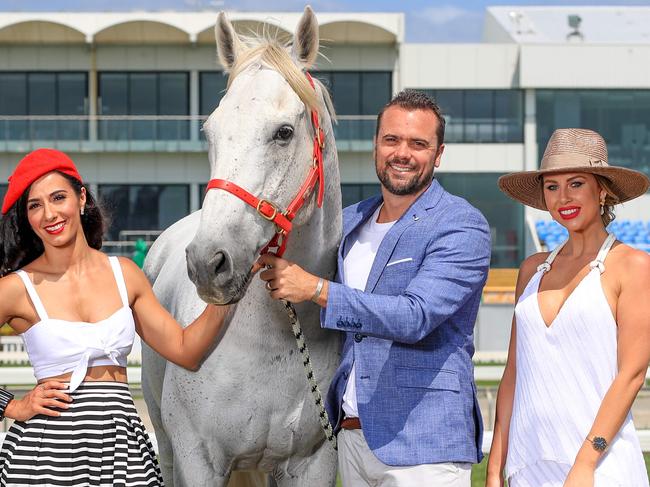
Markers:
412,264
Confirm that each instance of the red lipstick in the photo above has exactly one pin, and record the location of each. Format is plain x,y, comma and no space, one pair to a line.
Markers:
569,212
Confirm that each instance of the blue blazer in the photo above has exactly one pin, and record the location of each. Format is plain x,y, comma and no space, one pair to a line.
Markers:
410,333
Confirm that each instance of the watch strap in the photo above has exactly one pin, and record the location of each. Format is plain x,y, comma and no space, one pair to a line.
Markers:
5,398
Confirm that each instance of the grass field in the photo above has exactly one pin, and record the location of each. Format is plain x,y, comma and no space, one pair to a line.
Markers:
478,472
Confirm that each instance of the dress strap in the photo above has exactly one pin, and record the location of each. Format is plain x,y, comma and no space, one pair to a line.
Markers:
33,295
546,265
602,253
119,278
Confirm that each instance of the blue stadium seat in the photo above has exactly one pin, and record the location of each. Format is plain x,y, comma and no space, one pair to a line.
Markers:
635,233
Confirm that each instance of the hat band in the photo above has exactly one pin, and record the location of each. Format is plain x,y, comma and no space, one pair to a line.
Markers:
570,160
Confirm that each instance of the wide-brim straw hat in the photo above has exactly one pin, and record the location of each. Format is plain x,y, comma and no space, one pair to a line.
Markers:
573,150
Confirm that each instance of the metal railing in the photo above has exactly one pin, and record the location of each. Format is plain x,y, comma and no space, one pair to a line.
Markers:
161,128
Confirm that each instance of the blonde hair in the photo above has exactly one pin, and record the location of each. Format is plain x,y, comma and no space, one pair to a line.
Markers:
611,199
275,55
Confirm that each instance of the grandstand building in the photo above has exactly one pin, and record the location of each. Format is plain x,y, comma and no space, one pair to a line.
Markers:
125,94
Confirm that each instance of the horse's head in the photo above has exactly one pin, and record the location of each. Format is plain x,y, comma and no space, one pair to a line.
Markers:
260,138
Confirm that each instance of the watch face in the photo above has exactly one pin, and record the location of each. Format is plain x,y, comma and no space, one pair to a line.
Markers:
599,443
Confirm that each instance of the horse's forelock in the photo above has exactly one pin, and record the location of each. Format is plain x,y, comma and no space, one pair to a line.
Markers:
275,55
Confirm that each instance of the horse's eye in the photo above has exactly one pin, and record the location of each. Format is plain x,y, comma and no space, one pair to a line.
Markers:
284,133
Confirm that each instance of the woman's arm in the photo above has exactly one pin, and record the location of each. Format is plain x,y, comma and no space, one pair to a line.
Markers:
633,319
183,346
506,394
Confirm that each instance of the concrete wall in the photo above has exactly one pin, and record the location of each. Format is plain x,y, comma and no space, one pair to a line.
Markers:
459,66
585,66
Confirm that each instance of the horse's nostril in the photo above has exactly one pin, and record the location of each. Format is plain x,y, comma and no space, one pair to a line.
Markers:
218,262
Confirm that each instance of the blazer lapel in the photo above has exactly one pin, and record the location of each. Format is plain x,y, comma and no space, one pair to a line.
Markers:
418,209
364,211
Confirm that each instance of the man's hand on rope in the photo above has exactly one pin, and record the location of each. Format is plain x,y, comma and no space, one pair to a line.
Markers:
288,281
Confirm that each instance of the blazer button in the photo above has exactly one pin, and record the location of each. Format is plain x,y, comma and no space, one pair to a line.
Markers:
358,337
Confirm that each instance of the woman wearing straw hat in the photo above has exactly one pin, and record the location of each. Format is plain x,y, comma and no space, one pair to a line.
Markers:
579,346
78,311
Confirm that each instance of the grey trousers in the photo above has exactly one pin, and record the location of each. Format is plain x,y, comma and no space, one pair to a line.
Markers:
359,467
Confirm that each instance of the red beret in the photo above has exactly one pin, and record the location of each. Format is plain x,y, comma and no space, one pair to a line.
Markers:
33,166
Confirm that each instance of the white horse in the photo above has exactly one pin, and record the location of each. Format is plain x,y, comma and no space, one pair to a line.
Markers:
249,406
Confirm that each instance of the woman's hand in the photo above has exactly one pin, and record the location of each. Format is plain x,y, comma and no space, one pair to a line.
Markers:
580,475
286,280
44,399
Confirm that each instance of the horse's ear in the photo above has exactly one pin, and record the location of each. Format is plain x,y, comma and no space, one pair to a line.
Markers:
228,43
305,40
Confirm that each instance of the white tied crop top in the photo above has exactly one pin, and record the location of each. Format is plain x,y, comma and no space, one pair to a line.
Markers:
56,346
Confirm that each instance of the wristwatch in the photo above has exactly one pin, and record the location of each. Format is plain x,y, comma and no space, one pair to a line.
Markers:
5,398
598,442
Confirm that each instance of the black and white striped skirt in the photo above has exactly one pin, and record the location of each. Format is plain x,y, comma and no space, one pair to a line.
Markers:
99,441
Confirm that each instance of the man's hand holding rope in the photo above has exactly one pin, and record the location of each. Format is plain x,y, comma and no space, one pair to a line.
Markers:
288,281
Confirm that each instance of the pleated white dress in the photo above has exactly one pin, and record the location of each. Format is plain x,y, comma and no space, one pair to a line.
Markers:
563,373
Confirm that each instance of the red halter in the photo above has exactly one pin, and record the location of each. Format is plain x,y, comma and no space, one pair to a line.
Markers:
269,211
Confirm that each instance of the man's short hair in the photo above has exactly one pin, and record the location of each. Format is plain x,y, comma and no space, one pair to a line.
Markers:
415,100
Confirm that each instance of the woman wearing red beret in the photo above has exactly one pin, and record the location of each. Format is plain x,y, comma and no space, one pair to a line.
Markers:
77,311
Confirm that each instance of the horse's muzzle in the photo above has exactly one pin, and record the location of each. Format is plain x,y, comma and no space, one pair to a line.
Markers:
212,272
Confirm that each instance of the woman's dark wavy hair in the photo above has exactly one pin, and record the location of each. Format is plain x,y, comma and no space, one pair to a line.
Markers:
20,245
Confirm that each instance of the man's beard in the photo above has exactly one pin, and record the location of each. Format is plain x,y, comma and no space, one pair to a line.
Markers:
402,188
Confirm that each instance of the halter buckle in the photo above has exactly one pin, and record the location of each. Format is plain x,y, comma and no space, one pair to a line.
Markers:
264,215
320,138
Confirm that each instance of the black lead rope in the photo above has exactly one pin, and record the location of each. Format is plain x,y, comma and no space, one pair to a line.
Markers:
306,362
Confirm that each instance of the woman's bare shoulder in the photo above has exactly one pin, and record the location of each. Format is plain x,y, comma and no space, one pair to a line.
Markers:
12,291
630,263
531,263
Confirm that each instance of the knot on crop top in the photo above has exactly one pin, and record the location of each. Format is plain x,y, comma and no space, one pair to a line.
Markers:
56,346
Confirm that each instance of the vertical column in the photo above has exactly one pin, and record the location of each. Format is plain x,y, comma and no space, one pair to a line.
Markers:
195,197
194,105
92,95
530,164
530,131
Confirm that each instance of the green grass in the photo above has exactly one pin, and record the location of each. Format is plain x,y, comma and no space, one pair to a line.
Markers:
478,472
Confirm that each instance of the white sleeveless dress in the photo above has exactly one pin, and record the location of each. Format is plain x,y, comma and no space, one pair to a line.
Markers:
563,373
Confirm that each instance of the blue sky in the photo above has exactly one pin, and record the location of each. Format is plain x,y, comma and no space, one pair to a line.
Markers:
426,21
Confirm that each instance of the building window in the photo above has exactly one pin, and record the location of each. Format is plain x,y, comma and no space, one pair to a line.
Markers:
358,96
3,191
481,116
622,117
353,193
212,88
505,216
147,106
143,206
46,95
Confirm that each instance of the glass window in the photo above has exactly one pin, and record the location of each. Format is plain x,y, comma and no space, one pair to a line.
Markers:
481,116
505,216
71,100
375,92
353,193
143,207
212,89
42,101
3,191
358,96
46,94
622,117
13,101
144,96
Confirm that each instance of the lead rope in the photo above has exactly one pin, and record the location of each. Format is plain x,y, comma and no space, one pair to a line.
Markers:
306,362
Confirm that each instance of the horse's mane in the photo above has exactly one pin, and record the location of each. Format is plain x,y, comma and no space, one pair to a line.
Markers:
274,54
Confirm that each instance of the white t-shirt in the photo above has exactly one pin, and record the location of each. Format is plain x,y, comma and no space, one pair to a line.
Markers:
356,268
